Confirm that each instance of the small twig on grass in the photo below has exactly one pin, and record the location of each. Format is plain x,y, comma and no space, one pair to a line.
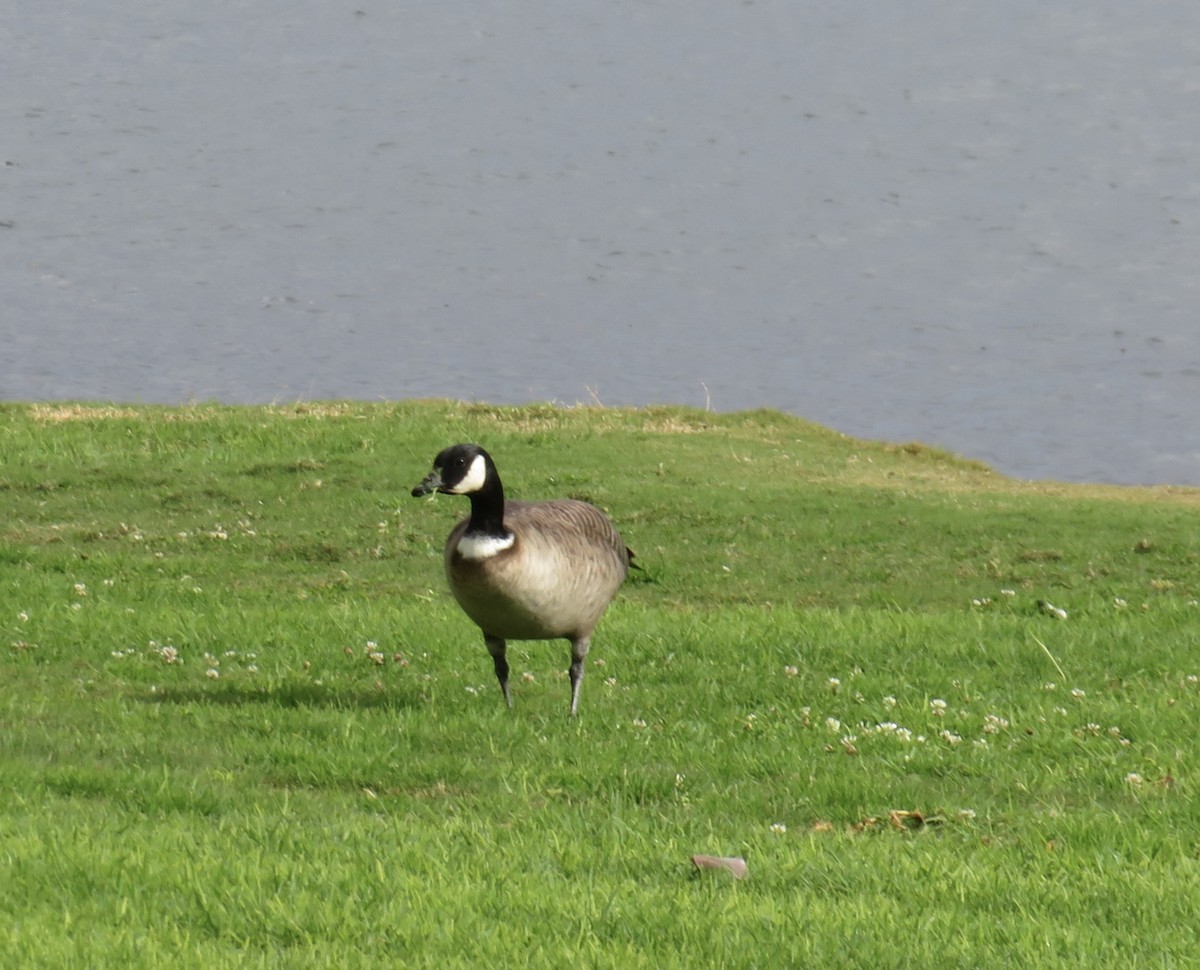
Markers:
1062,673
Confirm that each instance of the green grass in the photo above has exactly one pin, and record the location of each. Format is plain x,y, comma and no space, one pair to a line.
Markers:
243,724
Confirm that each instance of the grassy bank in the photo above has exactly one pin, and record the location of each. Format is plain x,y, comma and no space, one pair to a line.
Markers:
243,724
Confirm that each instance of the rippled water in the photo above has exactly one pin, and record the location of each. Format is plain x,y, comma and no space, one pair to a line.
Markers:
972,225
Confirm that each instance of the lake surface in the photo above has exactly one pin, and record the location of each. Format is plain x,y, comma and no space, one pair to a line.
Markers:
974,225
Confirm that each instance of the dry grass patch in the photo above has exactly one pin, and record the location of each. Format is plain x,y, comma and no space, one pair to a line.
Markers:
60,413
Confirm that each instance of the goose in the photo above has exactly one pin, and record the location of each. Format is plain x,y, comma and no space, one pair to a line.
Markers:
526,570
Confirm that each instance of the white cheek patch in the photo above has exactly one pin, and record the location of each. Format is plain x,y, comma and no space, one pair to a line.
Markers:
474,478
480,547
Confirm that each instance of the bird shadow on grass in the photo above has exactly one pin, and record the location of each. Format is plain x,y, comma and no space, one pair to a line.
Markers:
286,696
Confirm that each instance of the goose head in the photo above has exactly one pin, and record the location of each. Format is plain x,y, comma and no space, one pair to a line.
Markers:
459,470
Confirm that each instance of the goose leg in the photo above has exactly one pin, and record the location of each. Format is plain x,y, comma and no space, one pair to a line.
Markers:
579,652
496,648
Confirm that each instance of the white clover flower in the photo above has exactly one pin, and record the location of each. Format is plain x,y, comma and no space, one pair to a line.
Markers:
791,671
212,673
833,724
778,828
23,616
1077,693
889,702
938,706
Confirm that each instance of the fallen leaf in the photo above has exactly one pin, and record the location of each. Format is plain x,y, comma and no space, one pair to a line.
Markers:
906,820
901,819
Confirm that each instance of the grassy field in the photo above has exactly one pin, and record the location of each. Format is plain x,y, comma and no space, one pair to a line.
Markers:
242,723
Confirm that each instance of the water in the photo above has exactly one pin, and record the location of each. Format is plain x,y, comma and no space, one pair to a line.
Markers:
970,225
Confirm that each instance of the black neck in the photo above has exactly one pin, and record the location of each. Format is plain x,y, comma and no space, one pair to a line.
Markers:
487,509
